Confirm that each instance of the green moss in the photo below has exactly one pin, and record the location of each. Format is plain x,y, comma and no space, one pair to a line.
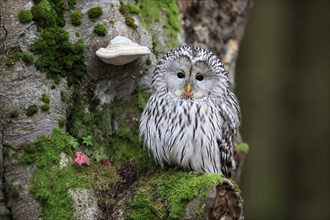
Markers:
64,96
59,6
28,149
128,8
58,56
155,11
95,13
49,184
25,16
49,13
125,10
44,107
181,187
28,58
76,18
174,190
31,110
242,147
154,45
12,190
100,30
6,151
14,114
132,9
114,127
104,183
13,57
82,124
103,177
148,61
57,79
50,187
125,140
72,3
129,20
45,98
143,98
145,206
44,14
77,34
61,122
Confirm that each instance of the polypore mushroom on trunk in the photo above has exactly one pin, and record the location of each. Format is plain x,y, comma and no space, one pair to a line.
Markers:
121,51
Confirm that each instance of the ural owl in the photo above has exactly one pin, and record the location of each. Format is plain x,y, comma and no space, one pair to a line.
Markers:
192,117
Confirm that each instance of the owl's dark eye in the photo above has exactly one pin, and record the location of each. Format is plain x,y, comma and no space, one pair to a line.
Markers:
180,75
199,77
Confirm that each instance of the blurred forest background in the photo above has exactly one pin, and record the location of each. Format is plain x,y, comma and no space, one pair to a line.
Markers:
283,86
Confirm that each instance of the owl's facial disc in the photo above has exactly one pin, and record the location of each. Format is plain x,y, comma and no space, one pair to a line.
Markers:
189,79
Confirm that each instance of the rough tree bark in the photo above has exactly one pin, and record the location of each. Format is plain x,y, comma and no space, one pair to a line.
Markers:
217,25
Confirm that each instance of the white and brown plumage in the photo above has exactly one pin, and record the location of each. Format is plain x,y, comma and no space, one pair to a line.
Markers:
192,117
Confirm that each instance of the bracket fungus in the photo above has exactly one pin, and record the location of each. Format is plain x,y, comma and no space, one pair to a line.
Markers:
121,51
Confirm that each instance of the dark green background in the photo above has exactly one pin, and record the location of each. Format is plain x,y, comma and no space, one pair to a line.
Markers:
283,87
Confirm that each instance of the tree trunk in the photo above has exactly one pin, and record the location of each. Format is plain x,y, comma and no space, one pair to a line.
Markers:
105,103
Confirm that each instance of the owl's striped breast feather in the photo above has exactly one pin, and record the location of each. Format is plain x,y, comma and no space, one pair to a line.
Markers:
194,134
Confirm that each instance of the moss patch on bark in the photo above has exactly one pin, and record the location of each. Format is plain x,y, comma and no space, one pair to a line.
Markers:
167,193
155,11
50,184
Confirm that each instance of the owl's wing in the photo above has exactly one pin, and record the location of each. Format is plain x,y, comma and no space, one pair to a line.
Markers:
230,113
225,145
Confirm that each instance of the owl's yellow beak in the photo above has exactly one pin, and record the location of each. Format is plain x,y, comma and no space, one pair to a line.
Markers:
188,89
187,93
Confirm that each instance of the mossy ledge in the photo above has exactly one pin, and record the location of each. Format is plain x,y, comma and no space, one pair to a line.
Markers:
166,194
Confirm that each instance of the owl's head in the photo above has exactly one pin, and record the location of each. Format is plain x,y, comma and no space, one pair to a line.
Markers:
190,72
